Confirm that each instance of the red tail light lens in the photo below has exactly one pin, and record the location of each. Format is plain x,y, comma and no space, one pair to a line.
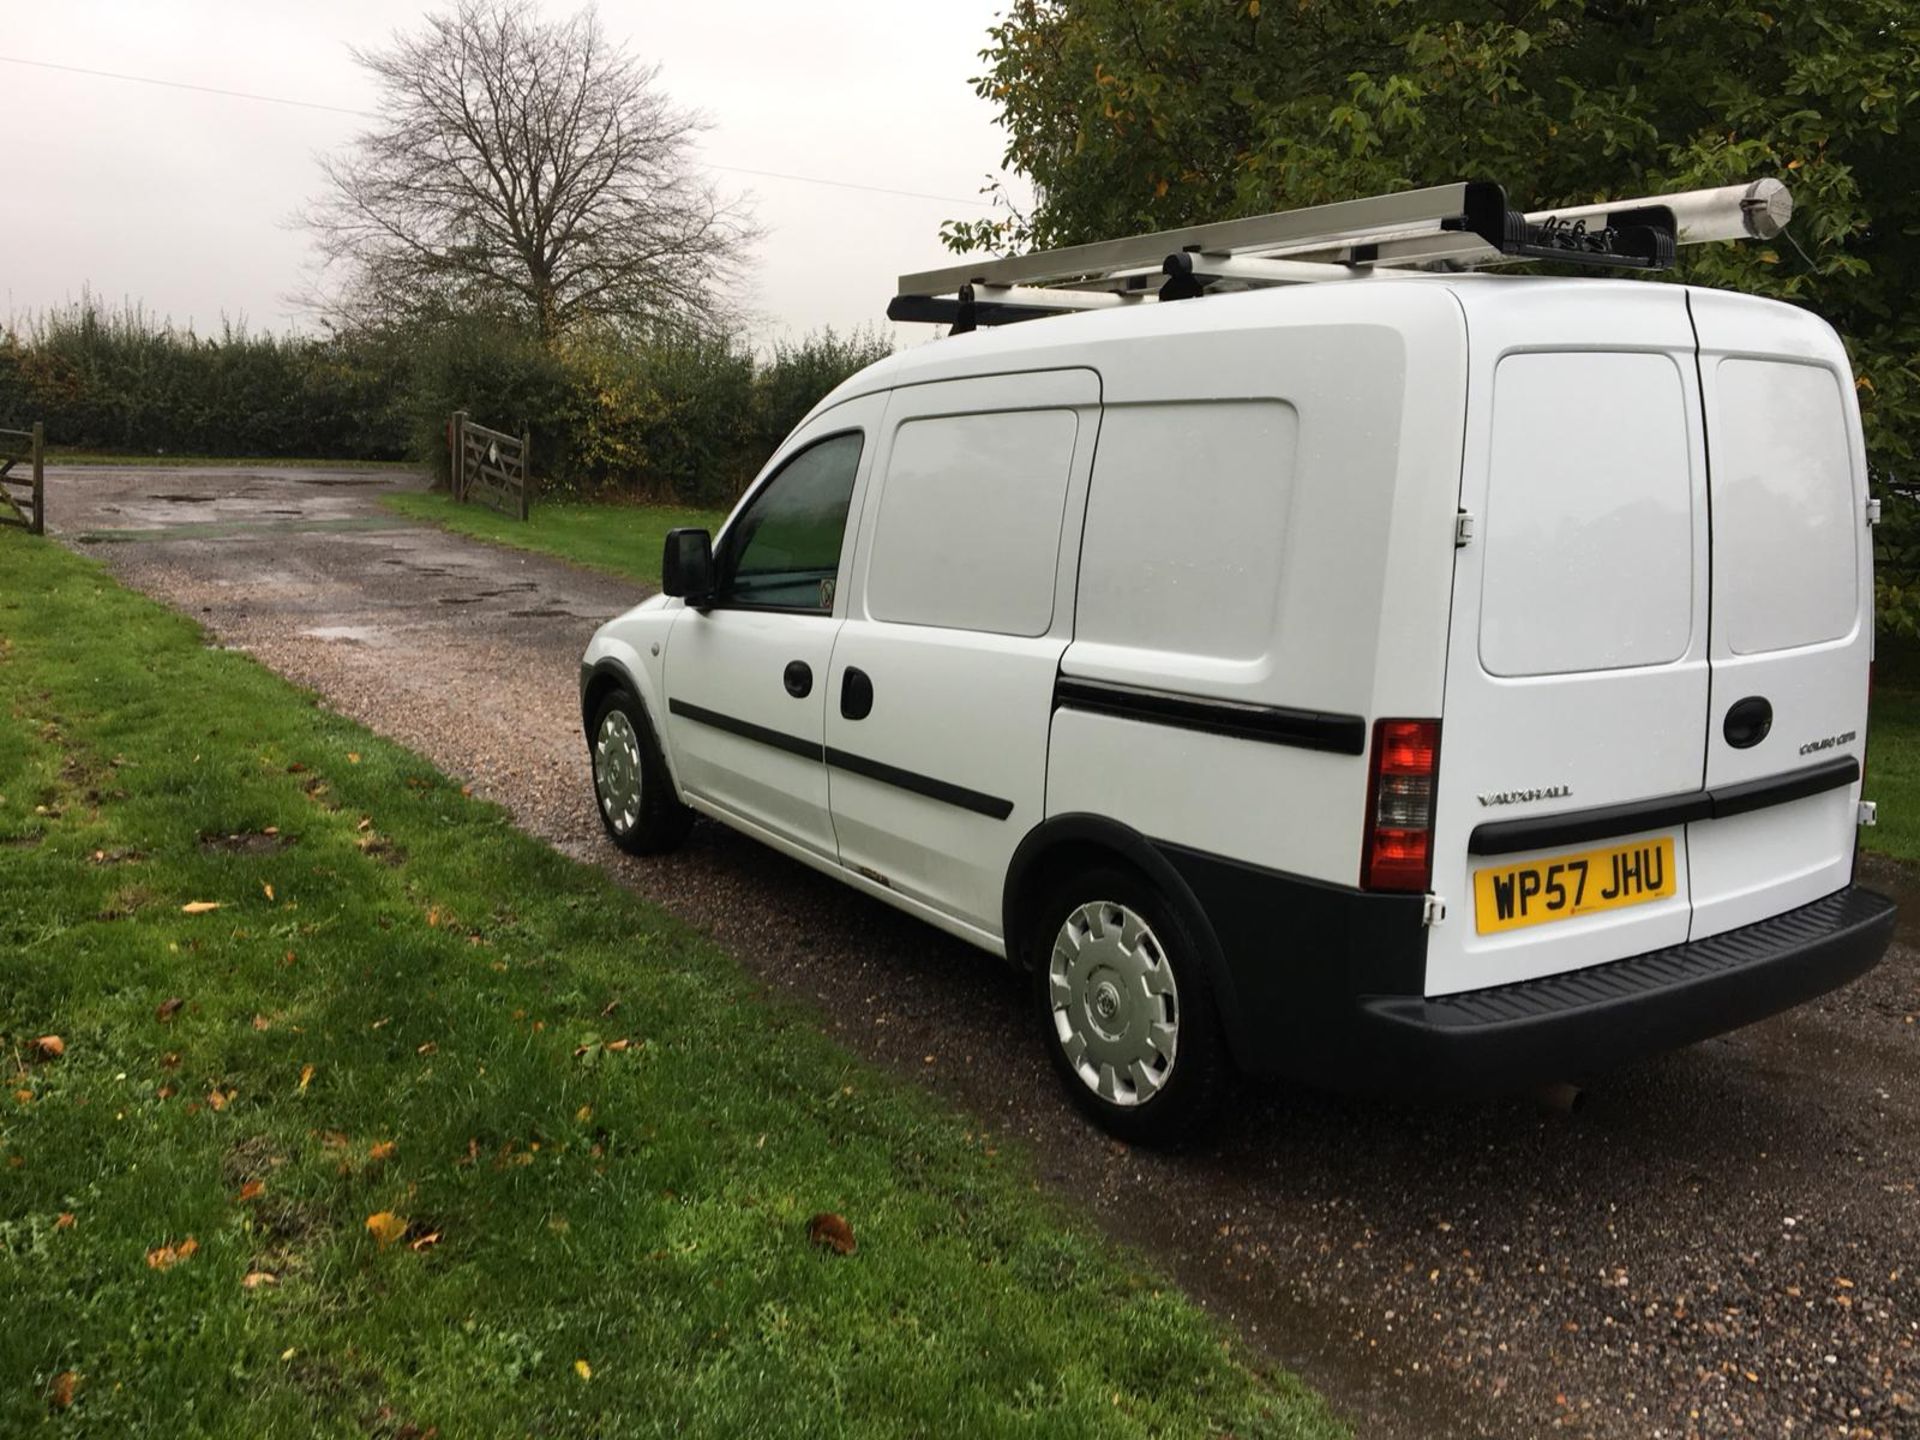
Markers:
1399,845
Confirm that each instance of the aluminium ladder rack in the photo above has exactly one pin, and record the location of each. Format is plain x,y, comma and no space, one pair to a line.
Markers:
1464,226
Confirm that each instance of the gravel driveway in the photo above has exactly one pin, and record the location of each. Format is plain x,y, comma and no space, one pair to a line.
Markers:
1722,1241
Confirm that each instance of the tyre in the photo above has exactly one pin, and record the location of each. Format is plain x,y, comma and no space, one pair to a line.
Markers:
633,791
1127,1008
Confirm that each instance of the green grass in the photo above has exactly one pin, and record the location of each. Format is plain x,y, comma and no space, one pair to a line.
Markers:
1893,751
616,1141
213,462
622,539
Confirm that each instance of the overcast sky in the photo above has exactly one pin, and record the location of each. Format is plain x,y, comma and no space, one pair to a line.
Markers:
179,200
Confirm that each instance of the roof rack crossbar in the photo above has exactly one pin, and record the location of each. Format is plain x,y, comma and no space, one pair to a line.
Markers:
1462,226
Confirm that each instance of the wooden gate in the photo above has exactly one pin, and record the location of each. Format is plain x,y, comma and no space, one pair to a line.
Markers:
30,446
490,466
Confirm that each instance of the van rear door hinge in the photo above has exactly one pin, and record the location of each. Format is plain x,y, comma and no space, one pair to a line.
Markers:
1873,512
1434,911
1463,529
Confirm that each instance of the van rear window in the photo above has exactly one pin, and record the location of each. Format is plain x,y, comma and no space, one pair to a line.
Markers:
1589,526
1785,521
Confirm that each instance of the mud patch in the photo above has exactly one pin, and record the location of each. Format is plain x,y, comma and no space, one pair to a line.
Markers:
246,842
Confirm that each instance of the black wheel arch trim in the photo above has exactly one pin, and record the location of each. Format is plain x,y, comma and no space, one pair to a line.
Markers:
599,669
1101,832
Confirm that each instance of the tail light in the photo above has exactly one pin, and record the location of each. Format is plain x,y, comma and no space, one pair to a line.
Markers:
1399,848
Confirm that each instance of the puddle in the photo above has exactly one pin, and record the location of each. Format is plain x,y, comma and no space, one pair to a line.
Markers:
283,512
544,615
351,634
459,599
342,480
184,499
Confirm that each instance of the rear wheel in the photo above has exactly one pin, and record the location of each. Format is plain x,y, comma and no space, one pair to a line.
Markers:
1126,1007
631,787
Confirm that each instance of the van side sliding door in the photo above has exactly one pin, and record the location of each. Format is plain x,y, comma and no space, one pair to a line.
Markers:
940,692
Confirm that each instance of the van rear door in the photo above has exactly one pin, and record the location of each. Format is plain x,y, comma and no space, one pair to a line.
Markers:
1791,627
1577,673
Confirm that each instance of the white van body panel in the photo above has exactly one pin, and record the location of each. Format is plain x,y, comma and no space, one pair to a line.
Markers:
1793,591
1614,723
1270,523
962,662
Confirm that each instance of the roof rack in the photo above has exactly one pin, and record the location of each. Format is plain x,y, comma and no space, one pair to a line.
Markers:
1464,226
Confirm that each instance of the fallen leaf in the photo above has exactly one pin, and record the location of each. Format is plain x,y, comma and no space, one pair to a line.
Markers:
426,1049
353,757
260,1022
65,1386
271,830
268,888
425,1241
218,1099
252,1190
386,1227
618,1045
433,918
254,1279
165,1257
306,1077
25,1097
65,1222
583,1369
51,1047
831,1232
383,1150
199,907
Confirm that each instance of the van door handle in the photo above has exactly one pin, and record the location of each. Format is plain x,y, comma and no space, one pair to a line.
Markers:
1748,722
856,694
798,679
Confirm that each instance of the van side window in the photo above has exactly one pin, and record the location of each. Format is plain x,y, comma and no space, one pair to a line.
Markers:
968,534
784,550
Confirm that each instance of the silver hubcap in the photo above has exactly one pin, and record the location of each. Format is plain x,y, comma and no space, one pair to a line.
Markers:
1115,1006
616,771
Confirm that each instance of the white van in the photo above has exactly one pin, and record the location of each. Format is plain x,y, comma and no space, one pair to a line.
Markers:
1413,680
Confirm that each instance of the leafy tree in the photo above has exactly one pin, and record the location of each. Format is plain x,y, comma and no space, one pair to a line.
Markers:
1135,115
522,167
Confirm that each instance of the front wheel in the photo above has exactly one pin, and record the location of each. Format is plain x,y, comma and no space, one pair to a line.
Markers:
1127,1009
633,791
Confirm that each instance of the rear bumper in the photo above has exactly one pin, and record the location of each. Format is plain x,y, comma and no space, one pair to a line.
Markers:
1564,1026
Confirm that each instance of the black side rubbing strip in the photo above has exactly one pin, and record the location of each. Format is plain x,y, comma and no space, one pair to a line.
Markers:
1273,724
1779,789
991,806
1544,832
747,730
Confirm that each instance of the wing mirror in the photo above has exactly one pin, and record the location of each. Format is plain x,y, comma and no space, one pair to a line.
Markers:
686,569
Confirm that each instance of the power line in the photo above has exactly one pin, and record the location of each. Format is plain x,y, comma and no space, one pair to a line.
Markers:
369,115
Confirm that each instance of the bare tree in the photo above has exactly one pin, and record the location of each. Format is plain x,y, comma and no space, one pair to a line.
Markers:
524,166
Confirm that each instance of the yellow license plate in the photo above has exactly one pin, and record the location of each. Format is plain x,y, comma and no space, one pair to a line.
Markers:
1537,891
